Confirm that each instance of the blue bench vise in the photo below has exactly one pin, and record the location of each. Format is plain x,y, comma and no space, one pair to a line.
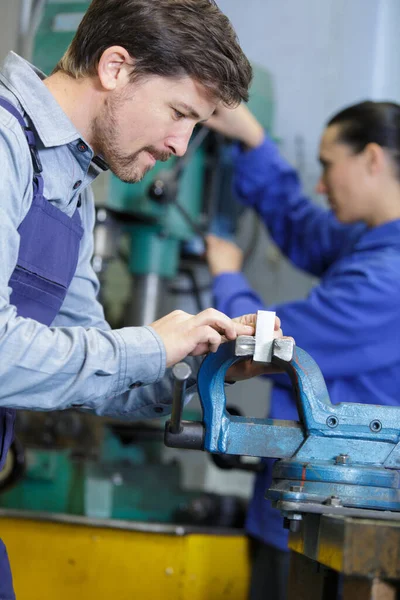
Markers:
337,459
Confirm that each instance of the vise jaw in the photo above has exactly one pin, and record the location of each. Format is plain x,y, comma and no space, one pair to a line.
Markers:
335,458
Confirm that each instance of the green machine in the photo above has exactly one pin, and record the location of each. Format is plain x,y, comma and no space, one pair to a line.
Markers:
79,464
82,465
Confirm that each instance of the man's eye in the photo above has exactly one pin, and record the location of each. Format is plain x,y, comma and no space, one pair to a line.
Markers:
178,115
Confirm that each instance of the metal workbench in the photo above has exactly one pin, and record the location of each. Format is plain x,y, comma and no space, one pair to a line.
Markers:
334,556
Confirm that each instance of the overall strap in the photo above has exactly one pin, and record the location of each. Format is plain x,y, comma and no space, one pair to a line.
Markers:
30,138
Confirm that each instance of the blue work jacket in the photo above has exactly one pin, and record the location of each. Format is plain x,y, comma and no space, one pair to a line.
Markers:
350,321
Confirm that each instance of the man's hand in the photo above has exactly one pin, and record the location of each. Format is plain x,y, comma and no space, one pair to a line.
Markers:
223,256
247,368
237,123
184,334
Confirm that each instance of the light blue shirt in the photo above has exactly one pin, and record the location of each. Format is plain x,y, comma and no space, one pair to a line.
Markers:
79,361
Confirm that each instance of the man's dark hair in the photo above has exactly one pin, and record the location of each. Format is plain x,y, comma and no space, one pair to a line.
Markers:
370,122
170,38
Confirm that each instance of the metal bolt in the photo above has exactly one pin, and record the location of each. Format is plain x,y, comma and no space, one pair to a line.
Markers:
296,488
342,459
375,425
332,421
291,521
294,526
334,501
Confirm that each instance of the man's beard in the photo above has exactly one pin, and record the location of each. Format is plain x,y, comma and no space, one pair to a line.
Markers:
105,139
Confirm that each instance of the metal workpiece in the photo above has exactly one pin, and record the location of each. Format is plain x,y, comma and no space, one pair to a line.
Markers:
245,345
265,327
282,348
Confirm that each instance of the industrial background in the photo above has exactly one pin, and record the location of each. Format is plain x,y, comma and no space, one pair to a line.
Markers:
314,57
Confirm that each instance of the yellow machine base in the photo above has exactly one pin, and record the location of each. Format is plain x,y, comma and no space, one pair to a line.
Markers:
55,557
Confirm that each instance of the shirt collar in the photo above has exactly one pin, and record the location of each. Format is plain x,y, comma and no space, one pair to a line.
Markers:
26,83
381,235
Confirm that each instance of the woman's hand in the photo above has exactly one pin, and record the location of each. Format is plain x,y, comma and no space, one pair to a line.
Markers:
237,123
223,256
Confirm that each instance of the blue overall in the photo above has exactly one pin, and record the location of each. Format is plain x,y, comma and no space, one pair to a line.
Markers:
349,323
47,260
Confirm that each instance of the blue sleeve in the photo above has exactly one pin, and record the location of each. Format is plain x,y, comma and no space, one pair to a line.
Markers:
310,236
349,323
233,295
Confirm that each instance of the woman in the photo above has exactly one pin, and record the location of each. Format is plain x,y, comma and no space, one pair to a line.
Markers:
350,322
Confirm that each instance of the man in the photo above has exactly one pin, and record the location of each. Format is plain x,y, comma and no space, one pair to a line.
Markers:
350,321
136,79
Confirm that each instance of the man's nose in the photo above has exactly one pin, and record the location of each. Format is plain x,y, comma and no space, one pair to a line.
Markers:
179,143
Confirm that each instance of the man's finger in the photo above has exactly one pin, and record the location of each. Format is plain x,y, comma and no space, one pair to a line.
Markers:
207,339
218,321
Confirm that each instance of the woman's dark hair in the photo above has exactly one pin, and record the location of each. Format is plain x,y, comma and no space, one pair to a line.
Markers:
170,38
370,122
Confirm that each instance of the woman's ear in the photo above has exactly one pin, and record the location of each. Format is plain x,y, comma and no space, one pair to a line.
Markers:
375,158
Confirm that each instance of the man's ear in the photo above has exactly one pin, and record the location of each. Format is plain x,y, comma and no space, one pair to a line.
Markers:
375,157
114,68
